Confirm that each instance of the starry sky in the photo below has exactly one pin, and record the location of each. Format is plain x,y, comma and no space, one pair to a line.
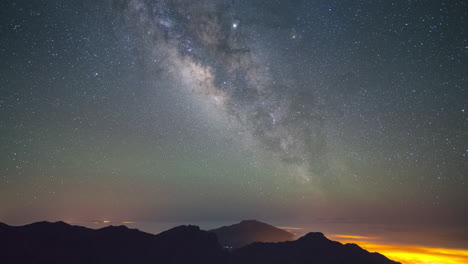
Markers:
174,110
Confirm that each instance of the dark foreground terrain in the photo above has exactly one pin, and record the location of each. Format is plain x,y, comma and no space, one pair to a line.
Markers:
45,242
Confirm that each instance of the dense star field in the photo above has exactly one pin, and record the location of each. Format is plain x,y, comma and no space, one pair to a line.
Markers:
290,111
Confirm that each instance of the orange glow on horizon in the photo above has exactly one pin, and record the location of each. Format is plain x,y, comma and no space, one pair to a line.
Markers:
410,254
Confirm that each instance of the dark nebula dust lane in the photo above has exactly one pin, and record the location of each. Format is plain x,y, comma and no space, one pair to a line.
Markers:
294,111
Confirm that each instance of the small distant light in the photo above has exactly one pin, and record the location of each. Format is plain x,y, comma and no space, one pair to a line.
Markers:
234,25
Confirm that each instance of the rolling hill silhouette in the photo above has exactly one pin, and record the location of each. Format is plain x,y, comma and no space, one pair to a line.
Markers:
46,242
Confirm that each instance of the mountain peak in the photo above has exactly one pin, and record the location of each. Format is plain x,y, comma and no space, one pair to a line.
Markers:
112,227
47,224
251,222
185,228
315,238
249,231
311,248
60,223
314,235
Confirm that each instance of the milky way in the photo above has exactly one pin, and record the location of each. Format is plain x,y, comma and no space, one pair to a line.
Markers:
217,49
174,110
239,59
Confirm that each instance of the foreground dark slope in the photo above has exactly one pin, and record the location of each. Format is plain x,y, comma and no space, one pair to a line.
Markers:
249,231
59,242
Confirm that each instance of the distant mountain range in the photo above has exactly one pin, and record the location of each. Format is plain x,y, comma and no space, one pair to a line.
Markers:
249,231
46,242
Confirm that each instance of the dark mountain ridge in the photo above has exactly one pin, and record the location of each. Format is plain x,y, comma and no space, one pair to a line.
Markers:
59,242
311,248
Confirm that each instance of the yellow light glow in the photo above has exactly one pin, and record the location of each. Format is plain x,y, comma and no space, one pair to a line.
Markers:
106,221
411,254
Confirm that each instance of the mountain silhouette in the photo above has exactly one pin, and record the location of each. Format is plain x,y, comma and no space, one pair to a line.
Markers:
59,242
249,231
311,248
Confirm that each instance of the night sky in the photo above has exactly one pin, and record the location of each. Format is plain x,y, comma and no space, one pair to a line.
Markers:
204,110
